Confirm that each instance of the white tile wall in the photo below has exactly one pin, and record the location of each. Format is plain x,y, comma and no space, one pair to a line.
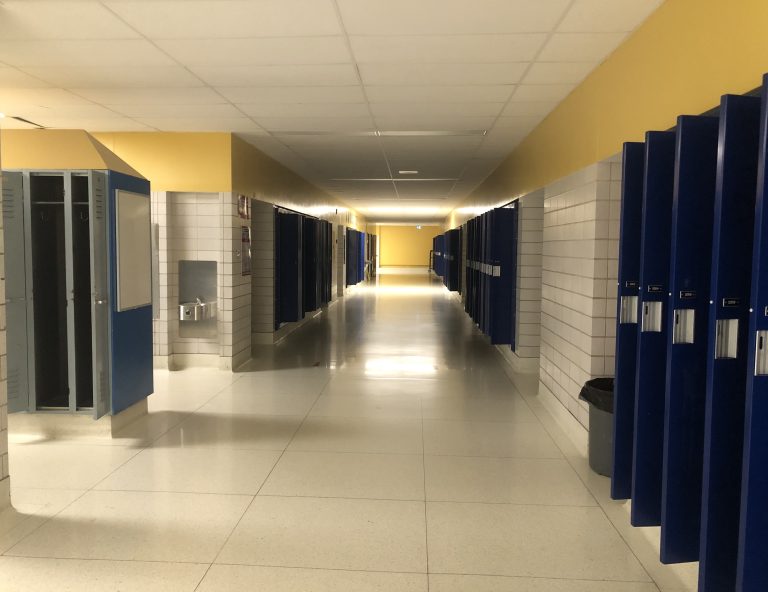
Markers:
5,499
578,284
202,227
525,358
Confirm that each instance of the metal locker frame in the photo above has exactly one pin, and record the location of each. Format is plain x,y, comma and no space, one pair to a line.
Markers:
752,568
633,170
726,376
17,303
690,271
22,387
652,338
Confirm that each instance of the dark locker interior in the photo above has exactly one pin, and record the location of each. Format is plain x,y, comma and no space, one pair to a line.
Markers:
81,276
49,288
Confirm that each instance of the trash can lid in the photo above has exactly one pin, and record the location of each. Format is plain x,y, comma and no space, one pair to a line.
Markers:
598,392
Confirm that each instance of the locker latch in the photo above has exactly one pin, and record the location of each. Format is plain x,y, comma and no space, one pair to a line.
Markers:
761,353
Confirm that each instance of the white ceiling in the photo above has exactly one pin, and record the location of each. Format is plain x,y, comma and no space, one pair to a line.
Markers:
323,86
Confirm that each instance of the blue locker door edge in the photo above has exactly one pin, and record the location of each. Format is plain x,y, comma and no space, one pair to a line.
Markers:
726,378
752,567
692,221
651,343
131,368
633,166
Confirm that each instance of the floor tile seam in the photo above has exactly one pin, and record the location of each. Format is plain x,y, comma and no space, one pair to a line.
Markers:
533,577
48,518
340,497
101,559
266,478
174,491
315,568
550,426
424,474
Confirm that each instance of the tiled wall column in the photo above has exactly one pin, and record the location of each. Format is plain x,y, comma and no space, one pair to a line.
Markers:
234,287
5,489
201,227
263,280
579,270
525,358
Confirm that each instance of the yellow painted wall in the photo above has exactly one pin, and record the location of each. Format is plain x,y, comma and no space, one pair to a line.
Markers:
57,150
405,246
176,161
680,61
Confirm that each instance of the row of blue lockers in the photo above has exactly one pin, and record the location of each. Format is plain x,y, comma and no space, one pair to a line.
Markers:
303,265
691,385
489,285
355,256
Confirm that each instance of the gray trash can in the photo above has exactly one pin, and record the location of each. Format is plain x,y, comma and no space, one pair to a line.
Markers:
598,392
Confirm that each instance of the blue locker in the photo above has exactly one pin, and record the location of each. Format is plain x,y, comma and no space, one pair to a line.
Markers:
289,293
752,571
727,347
690,272
633,171
652,337
502,275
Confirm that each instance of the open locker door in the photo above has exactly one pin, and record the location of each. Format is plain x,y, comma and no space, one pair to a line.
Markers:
97,182
16,293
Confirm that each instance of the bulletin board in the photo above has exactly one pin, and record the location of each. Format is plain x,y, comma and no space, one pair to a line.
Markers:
134,251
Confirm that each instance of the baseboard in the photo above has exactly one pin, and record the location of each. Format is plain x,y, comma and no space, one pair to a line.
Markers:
576,432
182,361
5,493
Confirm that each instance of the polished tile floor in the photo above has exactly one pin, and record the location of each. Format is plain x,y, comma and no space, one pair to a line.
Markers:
383,446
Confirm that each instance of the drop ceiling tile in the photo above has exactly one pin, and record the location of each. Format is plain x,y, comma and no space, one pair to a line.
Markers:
294,94
541,92
197,124
528,108
424,189
444,74
455,49
223,110
347,169
430,168
436,109
37,97
558,72
581,47
258,52
439,94
60,112
106,124
407,123
127,77
428,143
305,110
21,19
593,16
517,123
82,53
13,78
206,19
315,124
150,96
291,75
433,17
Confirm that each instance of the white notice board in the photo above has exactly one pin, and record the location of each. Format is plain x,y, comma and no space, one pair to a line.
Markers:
134,251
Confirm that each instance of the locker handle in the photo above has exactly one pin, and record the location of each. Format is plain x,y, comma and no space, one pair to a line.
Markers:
761,353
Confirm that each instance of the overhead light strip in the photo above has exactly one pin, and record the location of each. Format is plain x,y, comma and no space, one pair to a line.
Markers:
397,180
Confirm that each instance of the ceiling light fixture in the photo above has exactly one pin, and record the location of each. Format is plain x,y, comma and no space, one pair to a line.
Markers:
408,172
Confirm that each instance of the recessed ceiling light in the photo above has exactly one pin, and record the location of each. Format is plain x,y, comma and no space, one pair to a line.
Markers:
408,172
2,115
